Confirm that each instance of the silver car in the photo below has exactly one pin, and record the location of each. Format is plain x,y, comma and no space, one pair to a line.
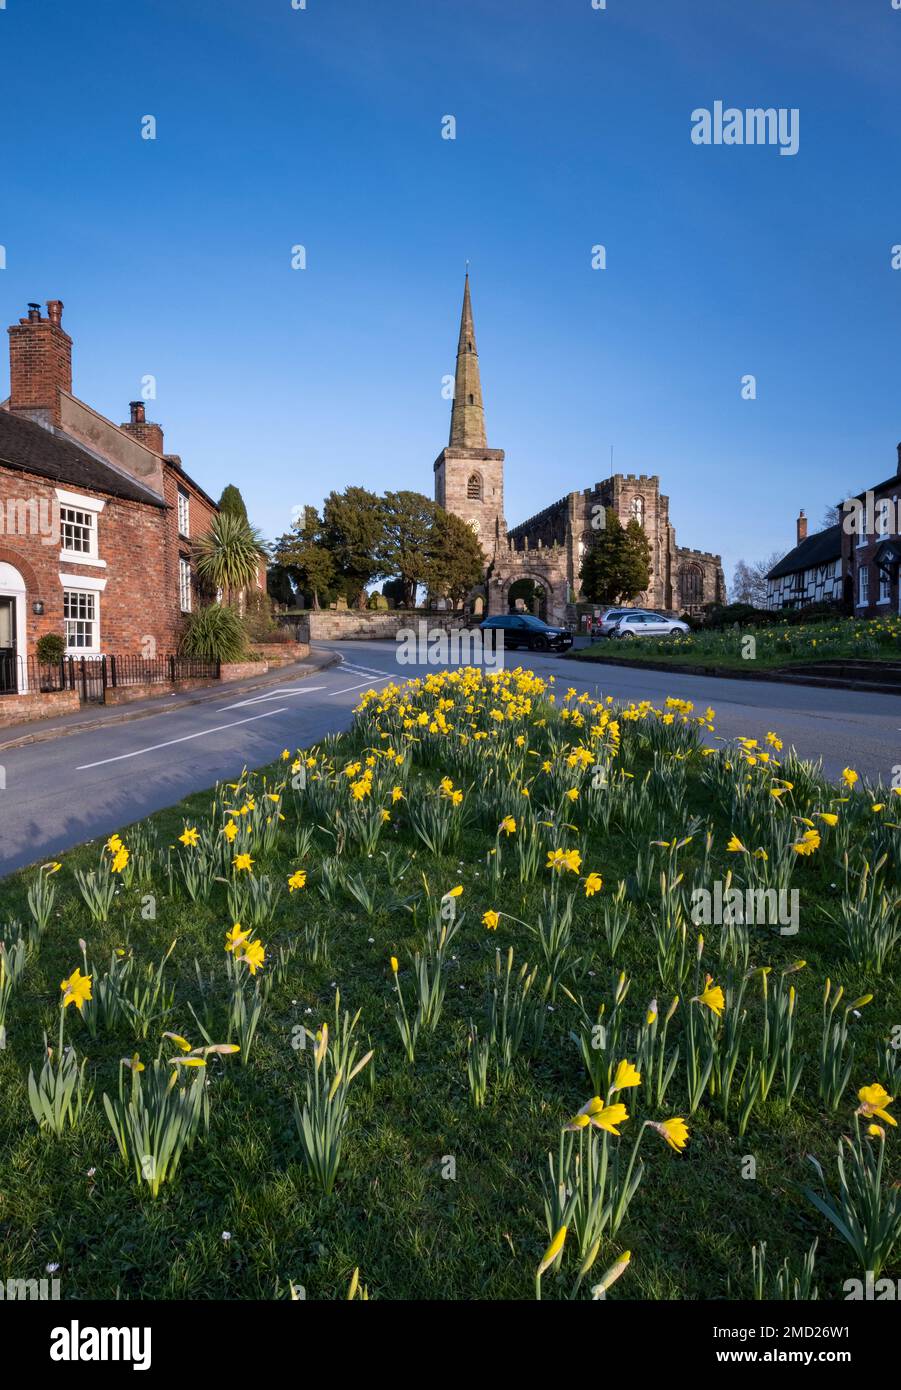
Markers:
632,625
604,624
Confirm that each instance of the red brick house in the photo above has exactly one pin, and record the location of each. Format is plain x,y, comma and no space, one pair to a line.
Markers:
871,548
96,521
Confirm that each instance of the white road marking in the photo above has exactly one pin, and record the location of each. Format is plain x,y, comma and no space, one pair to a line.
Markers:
360,670
152,748
348,688
272,695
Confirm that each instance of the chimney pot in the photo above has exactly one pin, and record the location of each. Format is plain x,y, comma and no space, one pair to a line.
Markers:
802,526
137,412
40,364
899,460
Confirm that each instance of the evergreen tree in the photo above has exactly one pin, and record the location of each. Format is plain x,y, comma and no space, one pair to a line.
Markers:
456,562
300,552
353,532
232,501
279,585
617,566
408,540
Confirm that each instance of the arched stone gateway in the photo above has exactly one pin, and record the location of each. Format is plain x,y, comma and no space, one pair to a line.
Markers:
548,586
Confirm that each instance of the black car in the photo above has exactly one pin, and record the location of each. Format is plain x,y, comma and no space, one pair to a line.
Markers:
522,630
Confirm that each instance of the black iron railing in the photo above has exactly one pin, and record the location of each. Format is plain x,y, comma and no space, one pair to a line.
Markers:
91,676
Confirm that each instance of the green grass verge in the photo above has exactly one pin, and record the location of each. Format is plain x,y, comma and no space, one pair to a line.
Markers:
413,1230
771,648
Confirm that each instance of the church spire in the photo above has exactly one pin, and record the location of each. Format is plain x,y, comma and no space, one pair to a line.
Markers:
468,415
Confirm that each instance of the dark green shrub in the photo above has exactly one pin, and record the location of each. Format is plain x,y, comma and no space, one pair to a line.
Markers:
50,648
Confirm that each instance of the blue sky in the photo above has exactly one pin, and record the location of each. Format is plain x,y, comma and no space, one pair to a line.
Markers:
322,127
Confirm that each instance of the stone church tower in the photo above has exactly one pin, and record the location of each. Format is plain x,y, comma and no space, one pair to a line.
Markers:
546,550
469,477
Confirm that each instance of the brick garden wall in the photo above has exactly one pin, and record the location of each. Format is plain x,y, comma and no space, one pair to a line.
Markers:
16,709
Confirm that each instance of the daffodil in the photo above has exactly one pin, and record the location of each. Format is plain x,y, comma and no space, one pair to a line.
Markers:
626,1076
611,1275
189,836
490,919
253,955
602,1116
76,990
712,996
875,1100
593,884
553,1251
674,1131
243,862
236,937
297,880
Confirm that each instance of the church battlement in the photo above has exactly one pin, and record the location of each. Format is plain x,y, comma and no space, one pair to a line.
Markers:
533,521
686,553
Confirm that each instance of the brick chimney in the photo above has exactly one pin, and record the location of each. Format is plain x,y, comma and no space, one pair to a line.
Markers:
40,364
143,429
802,526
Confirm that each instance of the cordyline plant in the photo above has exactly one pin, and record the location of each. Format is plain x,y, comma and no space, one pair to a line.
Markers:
866,1214
323,1119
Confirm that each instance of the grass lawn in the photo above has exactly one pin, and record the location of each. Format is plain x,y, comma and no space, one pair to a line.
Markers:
377,862
782,645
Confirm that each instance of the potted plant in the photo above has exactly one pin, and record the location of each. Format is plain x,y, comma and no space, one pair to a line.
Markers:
50,650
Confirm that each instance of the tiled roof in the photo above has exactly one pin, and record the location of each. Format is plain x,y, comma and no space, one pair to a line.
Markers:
31,448
817,549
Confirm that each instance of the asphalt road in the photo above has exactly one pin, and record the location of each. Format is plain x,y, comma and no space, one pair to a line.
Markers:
68,790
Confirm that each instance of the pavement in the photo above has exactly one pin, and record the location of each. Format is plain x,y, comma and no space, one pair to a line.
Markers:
100,771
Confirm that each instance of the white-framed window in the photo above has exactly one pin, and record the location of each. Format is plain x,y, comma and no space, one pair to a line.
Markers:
184,513
885,586
79,528
184,584
81,614
78,531
863,586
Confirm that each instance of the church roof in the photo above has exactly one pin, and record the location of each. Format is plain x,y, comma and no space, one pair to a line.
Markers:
817,549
